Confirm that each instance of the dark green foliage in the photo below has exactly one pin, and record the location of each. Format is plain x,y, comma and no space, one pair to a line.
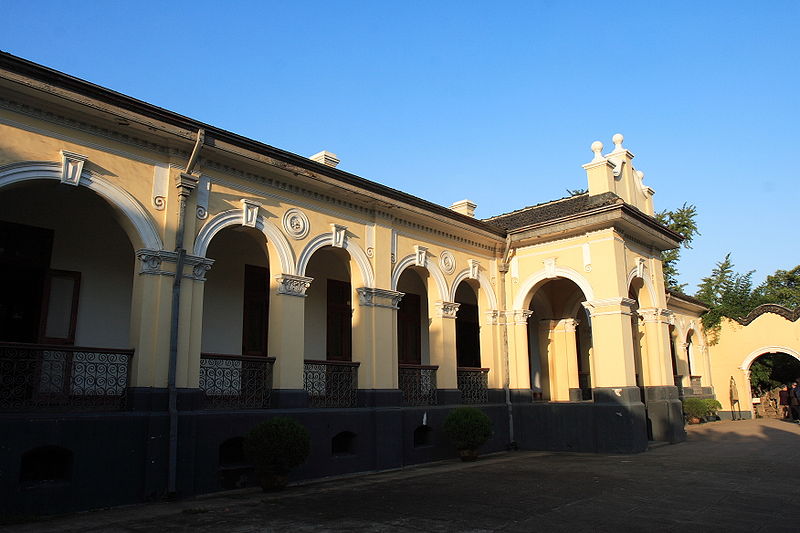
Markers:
468,428
727,293
712,406
681,221
782,288
700,407
694,408
577,192
277,445
771,371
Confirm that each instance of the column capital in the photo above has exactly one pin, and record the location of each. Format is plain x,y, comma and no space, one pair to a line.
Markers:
372,297
446,309
151,261
519,316
493,317
610,306
656,314
570,324
291,285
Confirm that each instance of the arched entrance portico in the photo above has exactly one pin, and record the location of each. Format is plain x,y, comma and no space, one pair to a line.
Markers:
67,279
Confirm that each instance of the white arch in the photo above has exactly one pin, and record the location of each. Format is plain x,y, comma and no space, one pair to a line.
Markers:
356,253
648,283
765,350
234,217
484,283
432,268
560,272
120,199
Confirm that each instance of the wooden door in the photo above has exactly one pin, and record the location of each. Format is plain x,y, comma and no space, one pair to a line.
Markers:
409,330
255,318
339,330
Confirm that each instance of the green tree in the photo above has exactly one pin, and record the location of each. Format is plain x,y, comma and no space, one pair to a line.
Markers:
681,221
726,293
782,288
771,371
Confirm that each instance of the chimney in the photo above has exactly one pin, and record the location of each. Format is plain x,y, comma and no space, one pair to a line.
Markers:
465,207
326,158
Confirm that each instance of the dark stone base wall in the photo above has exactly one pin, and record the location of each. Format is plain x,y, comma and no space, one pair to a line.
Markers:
121,457
735,415
614,422
664,414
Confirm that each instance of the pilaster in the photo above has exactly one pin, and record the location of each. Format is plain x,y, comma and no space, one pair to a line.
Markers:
442,334
656,330
612,342
375,338
286,329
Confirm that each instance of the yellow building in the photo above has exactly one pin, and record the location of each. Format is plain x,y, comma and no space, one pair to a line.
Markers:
168,284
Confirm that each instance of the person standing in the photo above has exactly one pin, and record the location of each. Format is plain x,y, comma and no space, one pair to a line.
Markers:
783,402
794,402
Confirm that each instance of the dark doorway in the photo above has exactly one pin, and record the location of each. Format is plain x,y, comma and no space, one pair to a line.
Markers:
409,330
24,262
339,333
468,345
255,319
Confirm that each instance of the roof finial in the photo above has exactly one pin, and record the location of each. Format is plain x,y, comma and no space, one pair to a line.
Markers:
617,140
597,147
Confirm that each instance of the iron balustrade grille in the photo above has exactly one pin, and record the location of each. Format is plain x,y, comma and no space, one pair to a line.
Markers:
52,377
236,381
418,384
473,384
331,383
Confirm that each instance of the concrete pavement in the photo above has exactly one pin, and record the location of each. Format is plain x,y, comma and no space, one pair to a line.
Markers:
728,476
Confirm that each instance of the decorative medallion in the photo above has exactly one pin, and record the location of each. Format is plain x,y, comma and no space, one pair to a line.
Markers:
296,224
447,262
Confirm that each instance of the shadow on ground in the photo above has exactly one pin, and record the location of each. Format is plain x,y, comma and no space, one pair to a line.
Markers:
728,476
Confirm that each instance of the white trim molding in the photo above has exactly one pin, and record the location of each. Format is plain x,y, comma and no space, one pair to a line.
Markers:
755,354
430,266
372,297
546,274
234,217
293,285
141,225
356,254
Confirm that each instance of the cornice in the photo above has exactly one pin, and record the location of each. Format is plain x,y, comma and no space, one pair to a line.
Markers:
168,153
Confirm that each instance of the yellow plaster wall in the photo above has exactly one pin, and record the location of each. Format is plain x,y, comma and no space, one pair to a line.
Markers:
737,345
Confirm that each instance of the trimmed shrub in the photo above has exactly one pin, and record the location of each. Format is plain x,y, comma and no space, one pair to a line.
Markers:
277,445
694,408
712,406
468,428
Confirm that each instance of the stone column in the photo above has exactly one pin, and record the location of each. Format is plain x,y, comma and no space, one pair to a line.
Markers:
619,414
659,359
150,318
664,410
442,334
287,338
375,346
519,370
569,388
612,342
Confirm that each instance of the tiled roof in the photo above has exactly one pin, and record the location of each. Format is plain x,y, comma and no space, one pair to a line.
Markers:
572,205
686,297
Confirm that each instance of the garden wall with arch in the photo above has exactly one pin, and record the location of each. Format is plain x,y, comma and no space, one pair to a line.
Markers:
768,329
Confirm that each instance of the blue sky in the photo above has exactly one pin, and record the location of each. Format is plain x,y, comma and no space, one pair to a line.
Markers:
497,102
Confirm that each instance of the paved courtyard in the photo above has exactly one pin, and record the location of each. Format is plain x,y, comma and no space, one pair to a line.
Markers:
728,476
